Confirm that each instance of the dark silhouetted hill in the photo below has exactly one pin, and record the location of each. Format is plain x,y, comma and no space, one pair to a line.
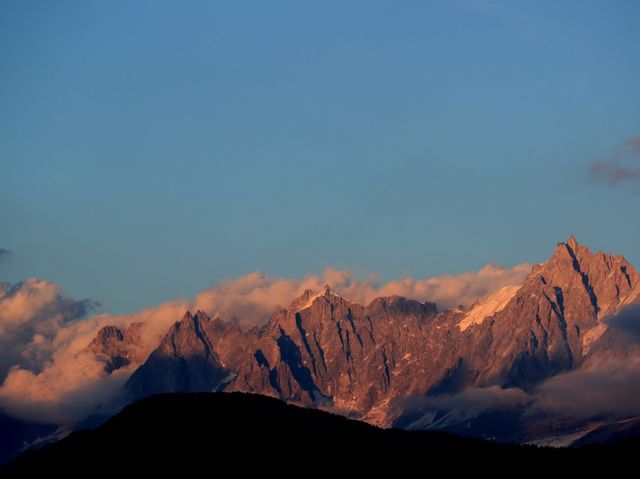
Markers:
212,433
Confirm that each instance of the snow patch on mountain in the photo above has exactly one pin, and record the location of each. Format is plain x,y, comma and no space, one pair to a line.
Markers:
488,306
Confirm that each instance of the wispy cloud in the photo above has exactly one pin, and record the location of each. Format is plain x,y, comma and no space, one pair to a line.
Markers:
622,165
4,253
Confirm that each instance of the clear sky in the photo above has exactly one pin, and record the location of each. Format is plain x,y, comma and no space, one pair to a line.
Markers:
150,148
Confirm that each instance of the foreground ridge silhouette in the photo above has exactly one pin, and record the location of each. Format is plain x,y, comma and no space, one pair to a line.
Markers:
199,432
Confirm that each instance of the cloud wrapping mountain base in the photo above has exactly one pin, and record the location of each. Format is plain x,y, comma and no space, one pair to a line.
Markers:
607,385
605,389
48,375
563,344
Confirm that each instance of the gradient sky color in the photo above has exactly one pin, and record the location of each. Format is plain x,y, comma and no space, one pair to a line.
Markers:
150,148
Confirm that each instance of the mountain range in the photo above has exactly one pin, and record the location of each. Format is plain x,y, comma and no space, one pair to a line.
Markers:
382,362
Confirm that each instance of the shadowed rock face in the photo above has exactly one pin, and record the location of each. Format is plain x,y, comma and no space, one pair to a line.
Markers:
324,350
185,361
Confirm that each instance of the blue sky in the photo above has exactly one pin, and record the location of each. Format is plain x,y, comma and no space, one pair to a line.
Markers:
151,148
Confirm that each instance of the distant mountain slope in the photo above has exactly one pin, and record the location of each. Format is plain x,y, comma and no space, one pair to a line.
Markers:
206,433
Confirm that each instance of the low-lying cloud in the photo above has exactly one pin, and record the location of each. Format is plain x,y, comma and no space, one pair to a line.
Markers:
627,321
472,401
606,386
47,375
62,382
4,253
622,165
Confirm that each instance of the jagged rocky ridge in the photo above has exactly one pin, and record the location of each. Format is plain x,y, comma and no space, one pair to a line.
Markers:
326,351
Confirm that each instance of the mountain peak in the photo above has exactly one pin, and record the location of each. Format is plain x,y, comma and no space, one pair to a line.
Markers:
117,347
572,242
572,248
573,252
309,297
202,315
185,360
608,281
107,334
